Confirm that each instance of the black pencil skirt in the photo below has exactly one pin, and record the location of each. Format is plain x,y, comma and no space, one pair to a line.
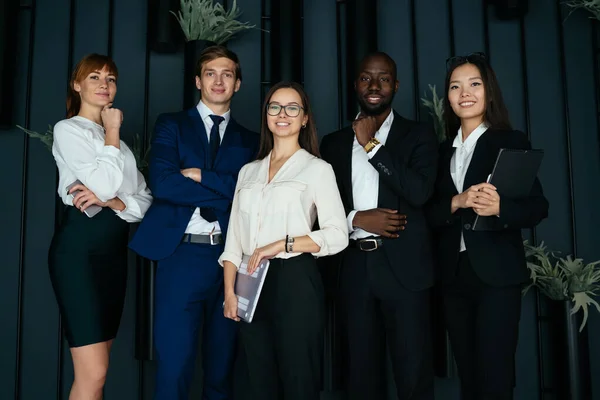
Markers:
88,269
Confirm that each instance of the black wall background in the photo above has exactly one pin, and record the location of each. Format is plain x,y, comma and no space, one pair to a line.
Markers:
547,65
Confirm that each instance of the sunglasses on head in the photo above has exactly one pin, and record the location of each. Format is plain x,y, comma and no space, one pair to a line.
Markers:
469,58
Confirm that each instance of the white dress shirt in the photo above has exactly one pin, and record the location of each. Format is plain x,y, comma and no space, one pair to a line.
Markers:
264,212
365,178
197,224
80,153
459,164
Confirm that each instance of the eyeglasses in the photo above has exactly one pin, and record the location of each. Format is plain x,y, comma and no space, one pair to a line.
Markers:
471,57
291,110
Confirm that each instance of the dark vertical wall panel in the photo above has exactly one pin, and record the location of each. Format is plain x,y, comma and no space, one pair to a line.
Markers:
246,104
433,46
321,79
11,176
395,37
468,37
585,153
40,313
91,28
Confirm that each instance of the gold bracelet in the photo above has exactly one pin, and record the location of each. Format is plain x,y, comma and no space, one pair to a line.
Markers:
371,144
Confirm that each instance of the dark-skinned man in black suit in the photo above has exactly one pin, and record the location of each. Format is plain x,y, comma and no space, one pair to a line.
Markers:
386,168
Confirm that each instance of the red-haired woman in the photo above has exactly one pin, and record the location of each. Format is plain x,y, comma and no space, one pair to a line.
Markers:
88,254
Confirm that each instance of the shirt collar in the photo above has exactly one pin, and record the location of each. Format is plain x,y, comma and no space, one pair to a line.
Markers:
387,123
471,140
205,112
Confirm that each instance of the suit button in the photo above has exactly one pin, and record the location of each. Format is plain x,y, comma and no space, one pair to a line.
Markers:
505,226
447,221
467,226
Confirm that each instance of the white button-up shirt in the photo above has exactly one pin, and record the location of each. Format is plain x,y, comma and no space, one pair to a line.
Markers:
197,224
81,154
365,178
459,164
264,212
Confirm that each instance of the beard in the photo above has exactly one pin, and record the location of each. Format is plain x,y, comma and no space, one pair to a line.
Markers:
373,110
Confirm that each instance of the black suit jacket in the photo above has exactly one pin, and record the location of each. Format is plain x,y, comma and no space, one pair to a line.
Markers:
497,256
407,166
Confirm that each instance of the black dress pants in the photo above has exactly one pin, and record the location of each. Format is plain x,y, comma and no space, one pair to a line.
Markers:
283,345
377,310
483,326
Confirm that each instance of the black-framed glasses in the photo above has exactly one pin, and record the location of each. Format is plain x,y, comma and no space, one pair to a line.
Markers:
471,57
291,110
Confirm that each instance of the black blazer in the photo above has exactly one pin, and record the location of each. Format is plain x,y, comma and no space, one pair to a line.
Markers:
407,165
497,256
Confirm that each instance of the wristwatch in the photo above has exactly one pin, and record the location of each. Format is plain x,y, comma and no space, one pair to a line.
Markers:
371,144
289,245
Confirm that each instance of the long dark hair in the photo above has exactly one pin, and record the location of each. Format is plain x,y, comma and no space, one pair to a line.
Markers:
87,65
496,113
308,135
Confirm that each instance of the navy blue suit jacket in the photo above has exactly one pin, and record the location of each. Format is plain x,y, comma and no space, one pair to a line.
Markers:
180,141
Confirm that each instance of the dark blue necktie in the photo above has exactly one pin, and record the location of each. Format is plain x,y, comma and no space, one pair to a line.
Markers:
215,141
215,137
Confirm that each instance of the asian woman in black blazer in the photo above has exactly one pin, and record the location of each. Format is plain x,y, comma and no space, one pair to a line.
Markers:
481,271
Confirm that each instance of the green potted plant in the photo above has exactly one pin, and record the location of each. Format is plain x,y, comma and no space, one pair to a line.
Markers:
593,6
204,23
572,285
436,111
564,279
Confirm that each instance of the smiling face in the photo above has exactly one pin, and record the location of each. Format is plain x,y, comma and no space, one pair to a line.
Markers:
97,89
218,82
466,93
376,85
282,125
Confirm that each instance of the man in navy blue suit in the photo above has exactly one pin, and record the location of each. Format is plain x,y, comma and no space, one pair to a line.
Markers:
195,159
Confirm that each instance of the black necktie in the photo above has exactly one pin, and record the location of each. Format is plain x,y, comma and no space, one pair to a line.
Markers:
215,137
215,141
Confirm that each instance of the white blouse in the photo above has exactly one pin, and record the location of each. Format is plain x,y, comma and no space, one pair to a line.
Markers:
80,153
264,212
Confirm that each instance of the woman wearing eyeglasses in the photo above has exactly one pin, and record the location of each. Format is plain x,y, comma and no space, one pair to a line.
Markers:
277,200
481,271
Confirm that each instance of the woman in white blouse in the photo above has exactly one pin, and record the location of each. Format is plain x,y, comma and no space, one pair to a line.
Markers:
277,200
88,254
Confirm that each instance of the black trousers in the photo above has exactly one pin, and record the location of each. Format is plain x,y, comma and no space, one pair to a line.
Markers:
483,325
283,345
376,309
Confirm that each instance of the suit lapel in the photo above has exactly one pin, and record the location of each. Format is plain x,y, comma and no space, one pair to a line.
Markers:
345,171
478,161
445,165
199,134
399,129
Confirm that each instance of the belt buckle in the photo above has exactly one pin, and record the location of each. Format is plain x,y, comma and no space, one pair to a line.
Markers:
372,240
212,240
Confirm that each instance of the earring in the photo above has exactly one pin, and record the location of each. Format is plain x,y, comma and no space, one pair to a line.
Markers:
303,126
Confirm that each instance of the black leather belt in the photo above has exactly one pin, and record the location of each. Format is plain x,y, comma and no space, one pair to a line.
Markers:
366,244
203,239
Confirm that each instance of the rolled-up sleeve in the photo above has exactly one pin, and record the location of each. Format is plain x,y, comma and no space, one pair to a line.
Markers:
101,172
233,251
332,237
136,204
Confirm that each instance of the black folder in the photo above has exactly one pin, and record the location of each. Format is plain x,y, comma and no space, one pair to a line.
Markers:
513,176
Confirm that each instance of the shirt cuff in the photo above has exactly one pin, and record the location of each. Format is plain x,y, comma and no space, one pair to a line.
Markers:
320,241
113,151
350,219
232,258
374,151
